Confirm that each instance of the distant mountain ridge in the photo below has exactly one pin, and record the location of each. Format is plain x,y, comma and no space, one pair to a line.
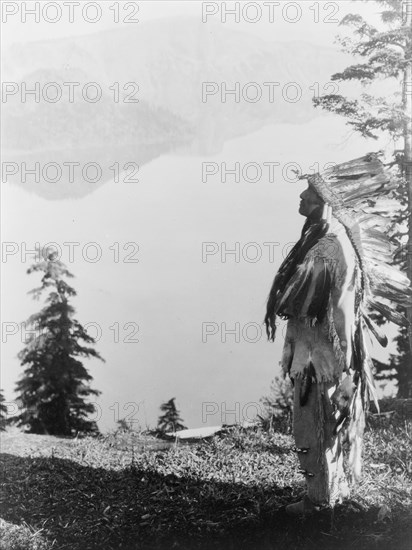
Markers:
169,59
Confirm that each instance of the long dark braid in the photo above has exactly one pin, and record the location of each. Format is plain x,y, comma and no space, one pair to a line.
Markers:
313,230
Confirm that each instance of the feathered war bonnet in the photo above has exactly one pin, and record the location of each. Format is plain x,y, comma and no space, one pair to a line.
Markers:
359,193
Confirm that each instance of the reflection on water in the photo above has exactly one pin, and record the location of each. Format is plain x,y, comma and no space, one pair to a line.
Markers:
81,111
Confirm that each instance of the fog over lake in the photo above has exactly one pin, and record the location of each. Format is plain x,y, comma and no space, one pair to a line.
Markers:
172,263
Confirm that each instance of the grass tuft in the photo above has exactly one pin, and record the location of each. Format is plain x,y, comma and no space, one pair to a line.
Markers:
134,491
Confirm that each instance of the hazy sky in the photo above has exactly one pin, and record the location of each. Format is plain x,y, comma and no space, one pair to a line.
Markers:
184,320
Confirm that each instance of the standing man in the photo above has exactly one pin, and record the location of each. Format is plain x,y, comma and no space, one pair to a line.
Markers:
335,275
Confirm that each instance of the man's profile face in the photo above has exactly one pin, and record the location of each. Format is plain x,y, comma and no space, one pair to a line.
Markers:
309,201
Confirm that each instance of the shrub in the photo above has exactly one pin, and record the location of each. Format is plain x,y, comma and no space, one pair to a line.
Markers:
278,406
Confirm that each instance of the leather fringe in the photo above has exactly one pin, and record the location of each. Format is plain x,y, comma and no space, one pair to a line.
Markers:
334,338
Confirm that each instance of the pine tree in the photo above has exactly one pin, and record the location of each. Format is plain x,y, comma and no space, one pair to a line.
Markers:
399,364
55,384
278,406
388,55
3,412
170,420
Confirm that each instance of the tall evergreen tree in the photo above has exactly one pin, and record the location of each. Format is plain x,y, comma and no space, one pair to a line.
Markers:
388,56
3,412
55,384
170,420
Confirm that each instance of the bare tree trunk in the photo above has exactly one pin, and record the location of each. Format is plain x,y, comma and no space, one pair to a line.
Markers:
407,101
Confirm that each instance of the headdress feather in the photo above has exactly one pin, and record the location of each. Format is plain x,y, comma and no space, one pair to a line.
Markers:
359,192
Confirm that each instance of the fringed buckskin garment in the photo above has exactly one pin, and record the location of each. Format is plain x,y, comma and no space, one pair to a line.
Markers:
332,280
315,356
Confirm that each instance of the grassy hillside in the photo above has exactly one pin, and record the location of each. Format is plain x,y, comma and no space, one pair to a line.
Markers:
228,493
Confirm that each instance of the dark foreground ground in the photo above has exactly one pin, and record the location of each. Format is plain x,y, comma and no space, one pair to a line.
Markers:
131,492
